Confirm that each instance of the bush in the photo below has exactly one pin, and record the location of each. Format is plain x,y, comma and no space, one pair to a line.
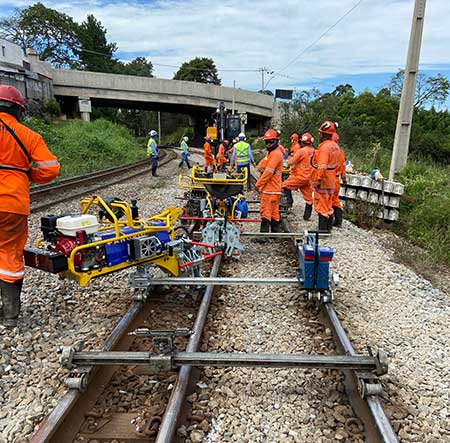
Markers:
53,108
83,147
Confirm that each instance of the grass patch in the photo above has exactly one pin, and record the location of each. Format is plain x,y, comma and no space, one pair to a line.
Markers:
83,147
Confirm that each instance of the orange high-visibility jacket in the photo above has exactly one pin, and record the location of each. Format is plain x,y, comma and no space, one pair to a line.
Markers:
294,147
221,159
340,170
300,162
325,162
270,180
207,154
14,185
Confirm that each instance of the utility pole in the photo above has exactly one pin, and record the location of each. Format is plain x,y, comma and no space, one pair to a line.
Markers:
405,112
264,70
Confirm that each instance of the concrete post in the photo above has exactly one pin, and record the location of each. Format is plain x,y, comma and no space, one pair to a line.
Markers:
405,112
84,106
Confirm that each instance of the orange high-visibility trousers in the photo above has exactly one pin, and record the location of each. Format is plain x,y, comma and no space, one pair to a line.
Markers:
323,199
270,208
13,237
335,200
293,183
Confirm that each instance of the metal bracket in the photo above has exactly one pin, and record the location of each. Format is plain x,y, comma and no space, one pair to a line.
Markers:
163,340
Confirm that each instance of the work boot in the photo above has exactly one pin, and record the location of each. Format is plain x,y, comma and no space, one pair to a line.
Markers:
330,222
288,195
154,172
307,212
337,217
10,293
275,225
323,223
265,227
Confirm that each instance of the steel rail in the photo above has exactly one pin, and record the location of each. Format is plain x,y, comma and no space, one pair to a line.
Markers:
40,206
369,409
64,410
173,410
229,281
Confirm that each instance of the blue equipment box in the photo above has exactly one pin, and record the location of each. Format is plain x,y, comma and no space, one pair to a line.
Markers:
314,271
117,252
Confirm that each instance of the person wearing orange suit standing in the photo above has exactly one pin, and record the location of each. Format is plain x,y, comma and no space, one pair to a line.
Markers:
340,175
20,148
269,183
221,158
207,154
323,180
294,143
300,175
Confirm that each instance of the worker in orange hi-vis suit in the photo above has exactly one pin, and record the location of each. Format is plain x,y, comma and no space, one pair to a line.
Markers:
294,143
20,147
340,175
269,184
207,154
300,175
221,158
323,180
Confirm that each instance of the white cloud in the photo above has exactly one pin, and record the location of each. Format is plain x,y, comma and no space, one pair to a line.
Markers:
241,34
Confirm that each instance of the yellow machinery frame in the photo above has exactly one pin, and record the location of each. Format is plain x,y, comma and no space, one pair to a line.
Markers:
169,216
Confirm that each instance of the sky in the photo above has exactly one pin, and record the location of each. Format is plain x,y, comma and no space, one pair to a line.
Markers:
364,49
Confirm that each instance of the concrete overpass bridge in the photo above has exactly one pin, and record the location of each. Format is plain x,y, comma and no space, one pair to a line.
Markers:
83,89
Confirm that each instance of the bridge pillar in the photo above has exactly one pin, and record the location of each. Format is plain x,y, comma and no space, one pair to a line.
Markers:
84,106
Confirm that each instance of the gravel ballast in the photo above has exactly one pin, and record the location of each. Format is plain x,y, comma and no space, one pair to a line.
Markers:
381,303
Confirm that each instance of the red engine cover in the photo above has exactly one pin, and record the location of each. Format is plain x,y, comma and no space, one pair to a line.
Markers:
66,245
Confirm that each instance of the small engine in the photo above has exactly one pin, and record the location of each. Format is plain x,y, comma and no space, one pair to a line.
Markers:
66,232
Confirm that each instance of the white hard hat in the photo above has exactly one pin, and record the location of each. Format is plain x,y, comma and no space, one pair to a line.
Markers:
153,132
241,135
185,138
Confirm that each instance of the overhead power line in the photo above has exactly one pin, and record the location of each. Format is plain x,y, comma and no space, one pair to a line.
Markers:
278,73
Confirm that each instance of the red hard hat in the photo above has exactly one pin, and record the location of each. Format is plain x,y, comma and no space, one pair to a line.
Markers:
271,134
335,137
294,136
12,95
307,138
327,127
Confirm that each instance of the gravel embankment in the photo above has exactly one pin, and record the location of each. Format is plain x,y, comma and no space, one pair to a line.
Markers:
56,313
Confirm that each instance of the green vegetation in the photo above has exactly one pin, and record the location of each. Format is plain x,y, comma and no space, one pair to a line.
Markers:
83,147
367,126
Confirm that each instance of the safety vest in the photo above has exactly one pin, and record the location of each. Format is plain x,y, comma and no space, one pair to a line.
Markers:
152,148
184,147
242,155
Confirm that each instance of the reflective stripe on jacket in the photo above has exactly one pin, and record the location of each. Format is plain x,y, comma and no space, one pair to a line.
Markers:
300,162
325,162
242,152
14,184
270,180
152,148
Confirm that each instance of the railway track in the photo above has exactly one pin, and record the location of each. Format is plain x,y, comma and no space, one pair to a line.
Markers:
142,406
45,196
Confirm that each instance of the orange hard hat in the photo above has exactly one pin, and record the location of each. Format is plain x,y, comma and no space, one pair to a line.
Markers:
271,134
307,138
335,137
294,136
12,95
327,127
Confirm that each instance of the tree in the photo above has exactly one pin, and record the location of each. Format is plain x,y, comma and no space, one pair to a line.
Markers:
200,70
51,33
139,66
95,53
430,90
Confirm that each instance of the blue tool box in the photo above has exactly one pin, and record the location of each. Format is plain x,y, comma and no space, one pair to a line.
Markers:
314,270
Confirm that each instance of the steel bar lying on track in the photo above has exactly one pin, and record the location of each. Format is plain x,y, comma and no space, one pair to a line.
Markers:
229,281
171,416
235,359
